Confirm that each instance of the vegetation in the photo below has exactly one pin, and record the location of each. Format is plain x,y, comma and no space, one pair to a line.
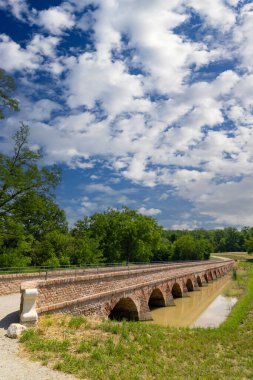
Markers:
7,87
100,350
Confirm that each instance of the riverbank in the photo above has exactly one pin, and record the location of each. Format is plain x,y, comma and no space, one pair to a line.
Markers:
92,349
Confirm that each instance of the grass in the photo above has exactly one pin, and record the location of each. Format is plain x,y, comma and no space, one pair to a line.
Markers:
95,349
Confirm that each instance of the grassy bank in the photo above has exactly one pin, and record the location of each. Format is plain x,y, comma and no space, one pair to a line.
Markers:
92,349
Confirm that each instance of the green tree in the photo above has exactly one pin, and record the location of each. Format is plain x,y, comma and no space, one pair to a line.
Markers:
15,244
249,245
7,87
86,249
20,173
124,235
39,214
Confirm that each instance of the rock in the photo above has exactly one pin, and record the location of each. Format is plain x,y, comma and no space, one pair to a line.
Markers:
15,330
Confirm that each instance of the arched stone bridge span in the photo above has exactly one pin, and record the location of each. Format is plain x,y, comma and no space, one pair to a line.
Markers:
118,294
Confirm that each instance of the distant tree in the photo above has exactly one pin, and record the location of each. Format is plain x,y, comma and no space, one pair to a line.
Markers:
249,245
7,87
85,249
124,235
185,248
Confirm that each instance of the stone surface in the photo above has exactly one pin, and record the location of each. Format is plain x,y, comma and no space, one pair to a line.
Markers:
28,314
15,330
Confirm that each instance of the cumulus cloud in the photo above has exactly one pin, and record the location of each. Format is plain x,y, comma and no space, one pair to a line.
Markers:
14,57
149,211
56,20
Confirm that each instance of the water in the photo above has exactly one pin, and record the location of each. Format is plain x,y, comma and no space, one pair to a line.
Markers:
206,307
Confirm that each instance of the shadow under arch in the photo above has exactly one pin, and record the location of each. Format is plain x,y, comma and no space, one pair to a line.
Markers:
125,308
199,282
176,291
156,299
206,278
189,285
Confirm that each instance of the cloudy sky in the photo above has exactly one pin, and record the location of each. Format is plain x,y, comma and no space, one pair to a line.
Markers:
147,104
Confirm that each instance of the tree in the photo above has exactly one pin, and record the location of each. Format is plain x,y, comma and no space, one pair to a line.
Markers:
86,249
7,87
249,245
15,244
20,174
39,214
123,235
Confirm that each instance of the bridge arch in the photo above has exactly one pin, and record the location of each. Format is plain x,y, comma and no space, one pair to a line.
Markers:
125,308
176,291
205,277
189,285
198,279
156,299
210,275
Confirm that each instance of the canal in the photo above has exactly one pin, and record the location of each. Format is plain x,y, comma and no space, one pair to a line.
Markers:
206,307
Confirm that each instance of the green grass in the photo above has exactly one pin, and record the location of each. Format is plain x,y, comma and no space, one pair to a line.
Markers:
138,351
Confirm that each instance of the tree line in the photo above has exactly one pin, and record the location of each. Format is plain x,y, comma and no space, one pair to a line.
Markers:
34,229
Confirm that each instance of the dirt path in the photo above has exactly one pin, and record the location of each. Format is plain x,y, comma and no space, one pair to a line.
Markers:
13,367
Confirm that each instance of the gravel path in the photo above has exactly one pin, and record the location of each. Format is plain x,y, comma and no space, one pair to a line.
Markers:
12,366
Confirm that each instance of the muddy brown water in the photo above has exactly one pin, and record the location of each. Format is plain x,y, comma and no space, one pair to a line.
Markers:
206,307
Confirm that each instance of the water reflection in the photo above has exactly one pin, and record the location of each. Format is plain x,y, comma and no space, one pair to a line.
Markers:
216,312
204,307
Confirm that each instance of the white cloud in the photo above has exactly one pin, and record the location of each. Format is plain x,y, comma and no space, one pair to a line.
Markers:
215,12
18,8
56,20
149,211
13,57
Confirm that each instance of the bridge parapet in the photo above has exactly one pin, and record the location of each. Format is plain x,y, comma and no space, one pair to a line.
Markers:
99,294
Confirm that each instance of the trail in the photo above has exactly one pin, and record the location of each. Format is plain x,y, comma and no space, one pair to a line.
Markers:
12,366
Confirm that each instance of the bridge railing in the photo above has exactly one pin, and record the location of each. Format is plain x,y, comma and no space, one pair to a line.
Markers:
52,268
45,270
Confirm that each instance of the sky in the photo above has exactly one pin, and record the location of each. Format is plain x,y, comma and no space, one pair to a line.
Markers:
145,104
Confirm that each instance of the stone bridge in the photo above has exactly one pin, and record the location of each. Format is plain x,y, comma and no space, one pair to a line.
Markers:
120,293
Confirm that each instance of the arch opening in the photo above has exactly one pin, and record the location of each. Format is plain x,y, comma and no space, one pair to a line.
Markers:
156,299
176,291
199,282
206,278
125,308
211,275
189,285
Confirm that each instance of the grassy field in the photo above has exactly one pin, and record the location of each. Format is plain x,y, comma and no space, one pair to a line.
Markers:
93,349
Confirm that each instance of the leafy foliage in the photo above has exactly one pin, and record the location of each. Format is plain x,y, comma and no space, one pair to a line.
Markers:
7,87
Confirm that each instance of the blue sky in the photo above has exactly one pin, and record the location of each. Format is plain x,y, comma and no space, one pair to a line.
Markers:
145,104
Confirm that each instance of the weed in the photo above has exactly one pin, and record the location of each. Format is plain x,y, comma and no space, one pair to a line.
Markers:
77,322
